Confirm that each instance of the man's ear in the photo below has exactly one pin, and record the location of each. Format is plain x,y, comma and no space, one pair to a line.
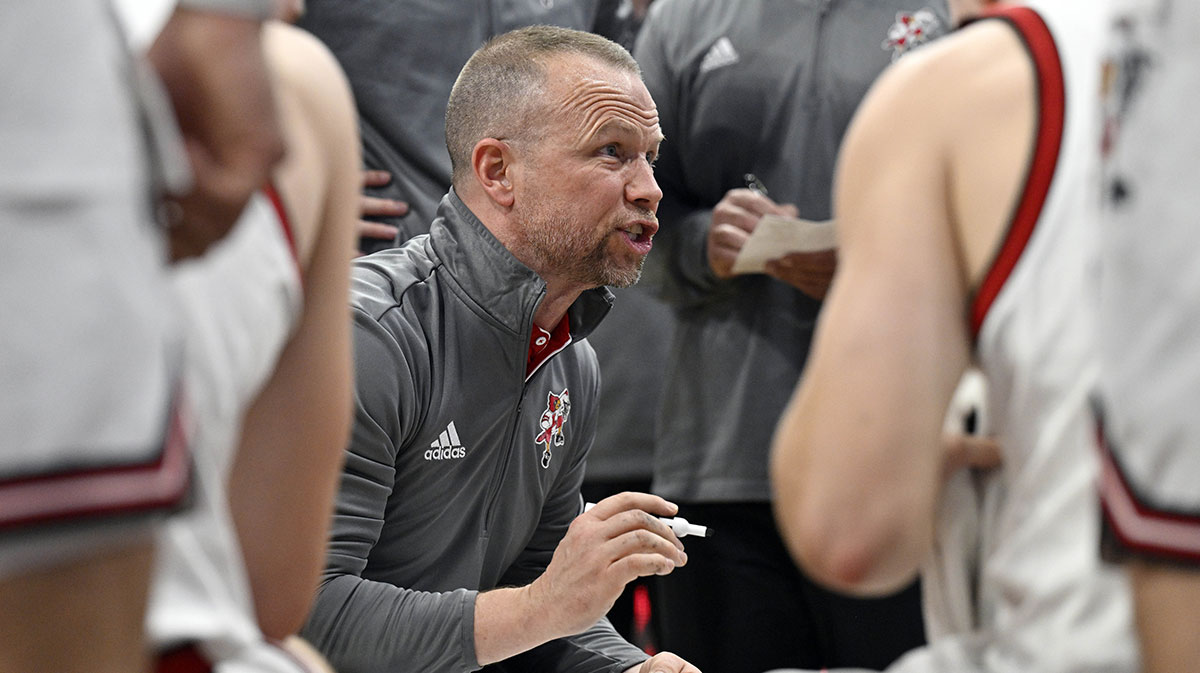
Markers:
492,163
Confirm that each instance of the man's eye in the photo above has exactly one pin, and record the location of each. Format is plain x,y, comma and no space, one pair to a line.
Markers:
610,151
651,158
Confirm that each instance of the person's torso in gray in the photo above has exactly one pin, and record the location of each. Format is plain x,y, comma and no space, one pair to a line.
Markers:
477,446
765,87
463,471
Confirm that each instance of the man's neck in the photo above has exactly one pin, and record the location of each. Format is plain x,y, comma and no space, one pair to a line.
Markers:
553,307
560,294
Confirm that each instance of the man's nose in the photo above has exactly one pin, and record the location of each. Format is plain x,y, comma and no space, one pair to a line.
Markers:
642,189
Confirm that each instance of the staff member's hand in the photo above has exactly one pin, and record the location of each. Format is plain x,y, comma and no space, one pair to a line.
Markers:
213,68
733,220
373,206
809,272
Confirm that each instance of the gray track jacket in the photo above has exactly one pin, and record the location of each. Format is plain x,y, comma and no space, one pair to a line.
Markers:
461,475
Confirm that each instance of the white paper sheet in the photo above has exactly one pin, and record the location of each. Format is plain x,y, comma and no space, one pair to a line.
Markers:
775,236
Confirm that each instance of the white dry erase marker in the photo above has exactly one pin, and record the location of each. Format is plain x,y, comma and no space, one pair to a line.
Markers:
678,524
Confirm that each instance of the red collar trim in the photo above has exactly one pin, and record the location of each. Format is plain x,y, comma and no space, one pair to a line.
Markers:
543,344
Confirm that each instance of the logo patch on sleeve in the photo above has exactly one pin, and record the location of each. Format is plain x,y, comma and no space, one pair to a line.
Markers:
558,407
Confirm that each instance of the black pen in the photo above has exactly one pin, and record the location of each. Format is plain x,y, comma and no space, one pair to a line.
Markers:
754,184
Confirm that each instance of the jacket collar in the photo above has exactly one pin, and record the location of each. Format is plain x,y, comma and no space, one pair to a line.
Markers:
496,281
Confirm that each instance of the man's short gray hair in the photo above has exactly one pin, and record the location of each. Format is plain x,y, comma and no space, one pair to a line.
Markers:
501,89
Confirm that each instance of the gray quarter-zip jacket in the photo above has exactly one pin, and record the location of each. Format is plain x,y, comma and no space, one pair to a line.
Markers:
461,475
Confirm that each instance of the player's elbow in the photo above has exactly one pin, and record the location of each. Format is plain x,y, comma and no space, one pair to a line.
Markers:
854,552
283,616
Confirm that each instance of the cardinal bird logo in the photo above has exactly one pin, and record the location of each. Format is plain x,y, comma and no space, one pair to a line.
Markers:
911,30
558,407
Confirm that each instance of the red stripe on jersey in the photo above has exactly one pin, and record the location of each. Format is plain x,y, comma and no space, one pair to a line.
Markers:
1138,526
160,483
186,658
1051,117
286,224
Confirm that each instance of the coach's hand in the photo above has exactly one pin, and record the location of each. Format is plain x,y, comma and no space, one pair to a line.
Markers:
605,548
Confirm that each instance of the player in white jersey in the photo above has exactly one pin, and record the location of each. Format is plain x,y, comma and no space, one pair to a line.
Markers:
966,237
91,448
268,340
1150,323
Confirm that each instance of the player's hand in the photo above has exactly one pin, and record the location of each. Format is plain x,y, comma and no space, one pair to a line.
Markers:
213,68
664,662
373,206
809,272
619,539
970,451
733,220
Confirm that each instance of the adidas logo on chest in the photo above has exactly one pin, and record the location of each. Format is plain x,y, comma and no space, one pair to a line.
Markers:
447,446
719,55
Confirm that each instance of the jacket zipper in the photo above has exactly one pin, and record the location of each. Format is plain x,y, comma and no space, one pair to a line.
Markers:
815,52
494,496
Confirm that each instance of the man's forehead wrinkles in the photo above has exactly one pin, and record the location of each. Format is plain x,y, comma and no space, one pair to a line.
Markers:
601,110
619,118
595,102
587,91
619,114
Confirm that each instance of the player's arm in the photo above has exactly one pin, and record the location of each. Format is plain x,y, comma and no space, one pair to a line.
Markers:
287,466
80,614
211,63
1162,595
857,459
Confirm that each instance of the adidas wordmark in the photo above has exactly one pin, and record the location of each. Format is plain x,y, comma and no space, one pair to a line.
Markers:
447,446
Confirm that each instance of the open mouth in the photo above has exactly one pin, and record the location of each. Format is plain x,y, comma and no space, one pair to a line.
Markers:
640,235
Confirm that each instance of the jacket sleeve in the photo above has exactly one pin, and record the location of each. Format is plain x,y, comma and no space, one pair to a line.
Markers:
600,649
359,624
678,269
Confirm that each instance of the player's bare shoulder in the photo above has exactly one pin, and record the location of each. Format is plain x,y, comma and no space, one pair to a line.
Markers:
320,121
962,80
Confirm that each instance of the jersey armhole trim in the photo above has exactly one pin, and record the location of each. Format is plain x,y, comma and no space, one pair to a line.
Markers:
1051,96
285,223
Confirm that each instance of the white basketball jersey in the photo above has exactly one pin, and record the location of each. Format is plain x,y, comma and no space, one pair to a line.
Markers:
1035,596
1150,288
239,304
